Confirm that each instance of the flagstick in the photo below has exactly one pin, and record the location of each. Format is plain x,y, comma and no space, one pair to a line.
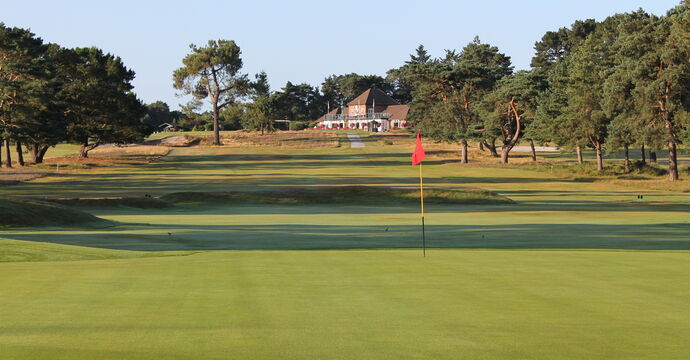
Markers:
421,193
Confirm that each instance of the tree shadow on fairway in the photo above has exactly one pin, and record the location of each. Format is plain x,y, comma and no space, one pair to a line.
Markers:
556,208
671,236
160,183
284,161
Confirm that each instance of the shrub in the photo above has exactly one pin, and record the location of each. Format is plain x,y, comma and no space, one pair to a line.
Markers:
299,125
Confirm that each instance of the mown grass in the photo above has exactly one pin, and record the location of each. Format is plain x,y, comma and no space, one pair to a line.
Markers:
350,305
360,195
32,251
562,300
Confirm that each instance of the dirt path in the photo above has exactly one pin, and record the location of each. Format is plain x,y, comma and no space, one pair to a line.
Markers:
525,148
355,141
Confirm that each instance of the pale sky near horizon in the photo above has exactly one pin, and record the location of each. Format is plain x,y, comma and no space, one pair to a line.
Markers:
300,41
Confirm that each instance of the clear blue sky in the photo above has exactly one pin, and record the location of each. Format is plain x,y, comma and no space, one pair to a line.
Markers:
300,41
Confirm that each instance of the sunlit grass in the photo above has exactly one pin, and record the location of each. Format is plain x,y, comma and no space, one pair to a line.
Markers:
576,266
350,304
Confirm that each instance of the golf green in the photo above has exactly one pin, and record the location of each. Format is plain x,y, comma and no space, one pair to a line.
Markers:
350,305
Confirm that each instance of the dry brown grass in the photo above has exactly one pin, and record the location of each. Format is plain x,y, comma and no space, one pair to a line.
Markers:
556,165
285,139
15,175
129,151
662,184
100,157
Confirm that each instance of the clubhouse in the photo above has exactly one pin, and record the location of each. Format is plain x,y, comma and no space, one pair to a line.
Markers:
373,110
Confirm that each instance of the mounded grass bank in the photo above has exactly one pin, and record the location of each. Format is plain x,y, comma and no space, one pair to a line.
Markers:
23,212
339,195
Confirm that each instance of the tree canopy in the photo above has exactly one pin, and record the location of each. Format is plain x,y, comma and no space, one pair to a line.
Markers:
212,72
50,94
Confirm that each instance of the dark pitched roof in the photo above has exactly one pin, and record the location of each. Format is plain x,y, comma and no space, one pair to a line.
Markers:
398,112
368,97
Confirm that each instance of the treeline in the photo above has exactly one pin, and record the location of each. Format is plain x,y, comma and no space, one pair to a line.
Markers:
611,85
213,74
50,94
607,85
301,103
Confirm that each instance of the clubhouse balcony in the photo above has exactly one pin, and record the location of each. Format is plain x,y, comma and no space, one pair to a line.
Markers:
369,116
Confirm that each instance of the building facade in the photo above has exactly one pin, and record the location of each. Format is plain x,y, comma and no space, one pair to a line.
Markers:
373,110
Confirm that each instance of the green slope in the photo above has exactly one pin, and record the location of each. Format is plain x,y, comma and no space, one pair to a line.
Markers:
31,251
28,212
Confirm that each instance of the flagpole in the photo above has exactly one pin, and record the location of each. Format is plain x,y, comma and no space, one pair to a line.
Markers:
421,197
417,157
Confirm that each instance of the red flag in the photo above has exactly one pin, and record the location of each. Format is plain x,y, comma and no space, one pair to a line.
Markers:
418,155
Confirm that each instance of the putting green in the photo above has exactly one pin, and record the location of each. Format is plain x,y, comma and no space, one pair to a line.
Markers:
350,305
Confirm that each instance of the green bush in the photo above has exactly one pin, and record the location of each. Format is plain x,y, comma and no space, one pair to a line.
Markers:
299,125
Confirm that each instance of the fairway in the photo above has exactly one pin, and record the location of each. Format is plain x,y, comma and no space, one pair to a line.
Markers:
571,269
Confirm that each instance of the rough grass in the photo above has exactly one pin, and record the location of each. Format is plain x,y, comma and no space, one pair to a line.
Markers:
12,176
64,160
24,212
283,139
339,195
115,202
111,151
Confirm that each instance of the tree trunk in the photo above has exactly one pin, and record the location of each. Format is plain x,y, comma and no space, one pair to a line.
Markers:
493,151
33,151
579,154
505,150
600,159
37,152
480,145
652,157
20,156
1,143
534,151
84,150
492,148
8,153
216,127
642,154
512,139
626,162
463,152
672,161
41,154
